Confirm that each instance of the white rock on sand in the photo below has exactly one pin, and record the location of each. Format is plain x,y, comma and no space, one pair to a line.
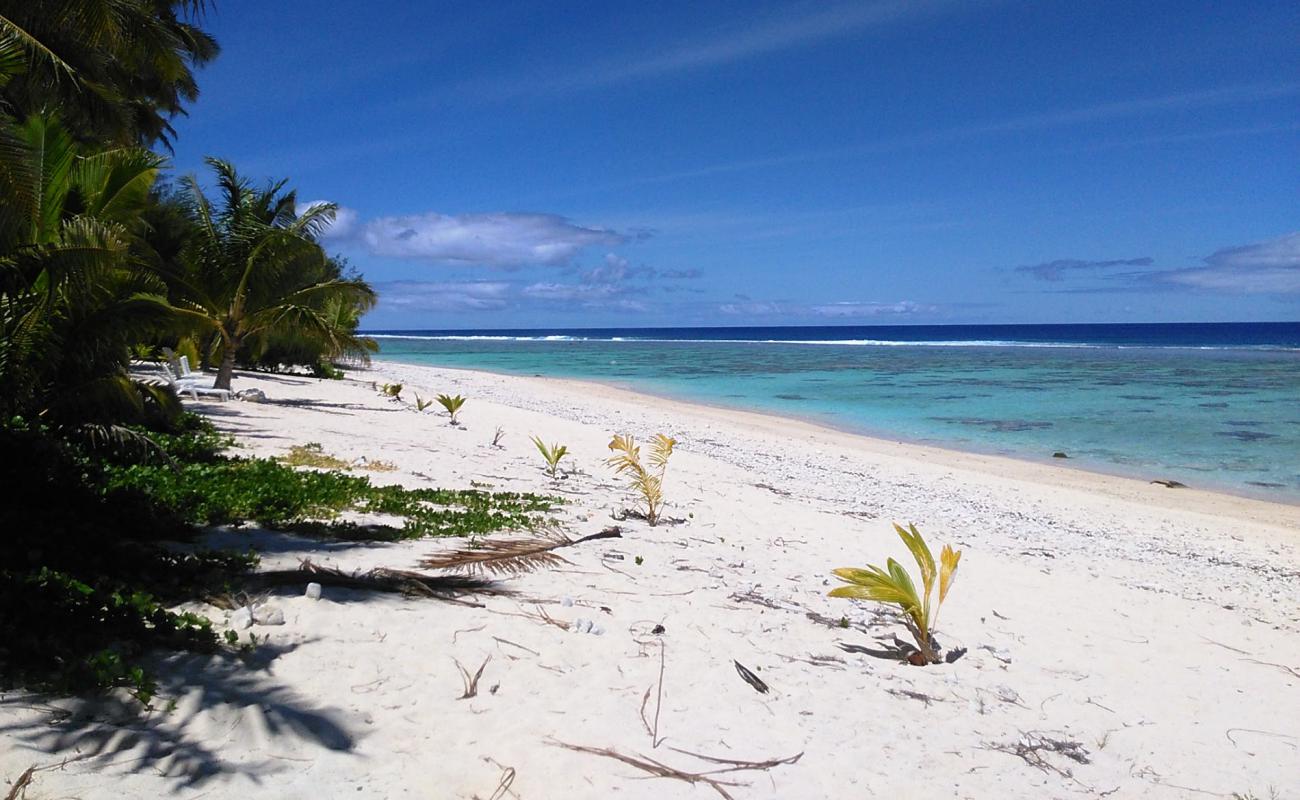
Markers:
1122,639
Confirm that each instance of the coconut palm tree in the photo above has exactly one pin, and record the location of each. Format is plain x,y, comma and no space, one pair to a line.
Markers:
114,70
73,293
255,270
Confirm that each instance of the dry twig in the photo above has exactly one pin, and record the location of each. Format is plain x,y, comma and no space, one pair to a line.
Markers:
660,770
471,681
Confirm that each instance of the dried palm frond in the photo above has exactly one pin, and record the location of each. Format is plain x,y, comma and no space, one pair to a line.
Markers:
512,556
442,587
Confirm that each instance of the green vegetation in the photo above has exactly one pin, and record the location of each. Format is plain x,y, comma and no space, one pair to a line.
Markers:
552,455
894,586
312,455
393,390
421,404
453,406
647,483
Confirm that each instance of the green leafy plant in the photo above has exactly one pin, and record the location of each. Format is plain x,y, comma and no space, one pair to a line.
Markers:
453,406
552,453
311,455
393,390
648,483
893,586
420,403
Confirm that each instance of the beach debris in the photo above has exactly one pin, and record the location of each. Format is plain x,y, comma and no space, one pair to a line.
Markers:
497,436
267,615
413,584
657,630
1168,484
471,681
751,678
566,602
242,618
648,483
1059,454
894,586
251,395
1033,745
313,591
1000,653
661,770
513,556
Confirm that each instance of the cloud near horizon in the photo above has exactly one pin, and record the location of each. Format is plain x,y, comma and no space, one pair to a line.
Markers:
848,309
491,240
1056,270
1268,267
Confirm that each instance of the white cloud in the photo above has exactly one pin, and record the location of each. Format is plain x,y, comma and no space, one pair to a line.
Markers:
444,296
1271,267
853,309
499,240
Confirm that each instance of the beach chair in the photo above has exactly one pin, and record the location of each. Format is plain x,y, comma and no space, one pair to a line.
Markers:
193,385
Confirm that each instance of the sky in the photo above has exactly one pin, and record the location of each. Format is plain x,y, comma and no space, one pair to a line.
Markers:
565,165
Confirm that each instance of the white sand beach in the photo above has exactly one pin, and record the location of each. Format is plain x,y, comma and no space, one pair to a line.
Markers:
1122,639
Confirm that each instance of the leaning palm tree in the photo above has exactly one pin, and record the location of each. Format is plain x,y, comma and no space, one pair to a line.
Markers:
254,270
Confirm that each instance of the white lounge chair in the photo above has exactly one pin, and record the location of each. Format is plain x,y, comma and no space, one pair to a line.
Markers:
193,385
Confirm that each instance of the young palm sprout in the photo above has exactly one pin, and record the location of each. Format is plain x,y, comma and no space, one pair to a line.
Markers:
894,586
453,405
420,403
649,483
552,454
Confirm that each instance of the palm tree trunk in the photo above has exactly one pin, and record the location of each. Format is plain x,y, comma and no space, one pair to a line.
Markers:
227,369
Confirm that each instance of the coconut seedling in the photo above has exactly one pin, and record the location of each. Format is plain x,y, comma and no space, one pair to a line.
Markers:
893,586
453,406
420,403
393,390
552,454
648,483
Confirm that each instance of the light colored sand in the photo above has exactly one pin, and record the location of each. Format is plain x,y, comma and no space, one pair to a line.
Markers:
1130,618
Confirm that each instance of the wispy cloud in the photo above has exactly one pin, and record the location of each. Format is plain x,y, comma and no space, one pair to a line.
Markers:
847,309
444,295
1268,267
757,37
1057,270
496,240
1056,118
1271,267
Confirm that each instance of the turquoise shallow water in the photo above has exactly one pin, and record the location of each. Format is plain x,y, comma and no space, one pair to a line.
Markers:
1226,419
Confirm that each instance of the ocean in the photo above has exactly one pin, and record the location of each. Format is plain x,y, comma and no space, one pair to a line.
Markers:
1215,406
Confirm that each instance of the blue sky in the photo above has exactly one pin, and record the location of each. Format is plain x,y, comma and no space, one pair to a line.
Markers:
590,164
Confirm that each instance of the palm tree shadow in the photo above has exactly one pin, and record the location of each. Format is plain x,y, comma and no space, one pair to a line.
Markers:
201,701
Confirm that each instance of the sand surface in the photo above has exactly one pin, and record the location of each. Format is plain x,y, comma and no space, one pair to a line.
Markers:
1122,639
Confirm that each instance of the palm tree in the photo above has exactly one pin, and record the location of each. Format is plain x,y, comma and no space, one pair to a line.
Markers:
114,70
73,293
255,270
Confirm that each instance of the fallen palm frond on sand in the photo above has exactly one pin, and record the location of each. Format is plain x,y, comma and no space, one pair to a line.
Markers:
380,579
512,556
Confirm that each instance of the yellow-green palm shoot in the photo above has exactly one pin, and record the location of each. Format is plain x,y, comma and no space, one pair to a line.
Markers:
453,406
894,586
420,403
648,483
552,453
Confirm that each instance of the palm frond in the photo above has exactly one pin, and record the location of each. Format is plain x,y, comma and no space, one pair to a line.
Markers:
511,556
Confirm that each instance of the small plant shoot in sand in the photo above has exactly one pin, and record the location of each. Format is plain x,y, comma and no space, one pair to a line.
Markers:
421,404
648,483
894,586
393,390
498,436
552,454
453,406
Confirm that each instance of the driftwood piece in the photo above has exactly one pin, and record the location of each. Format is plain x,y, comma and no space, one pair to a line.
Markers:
661,770
751,678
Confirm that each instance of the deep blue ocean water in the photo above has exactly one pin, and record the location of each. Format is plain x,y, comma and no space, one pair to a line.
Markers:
1211,405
